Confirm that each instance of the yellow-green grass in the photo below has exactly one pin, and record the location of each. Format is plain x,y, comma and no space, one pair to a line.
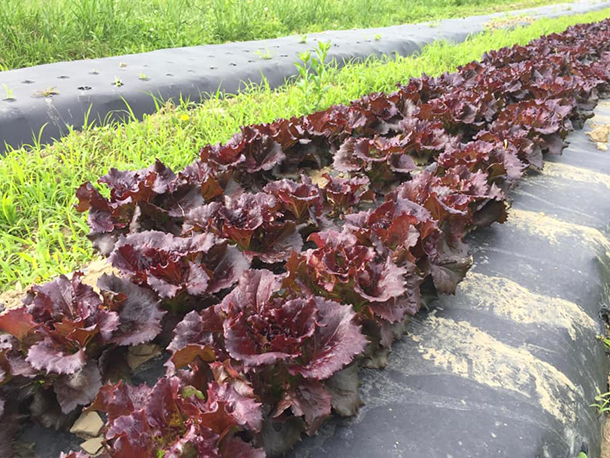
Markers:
41,233
41,31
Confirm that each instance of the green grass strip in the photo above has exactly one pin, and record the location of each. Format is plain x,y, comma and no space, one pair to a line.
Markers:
42,235
42,31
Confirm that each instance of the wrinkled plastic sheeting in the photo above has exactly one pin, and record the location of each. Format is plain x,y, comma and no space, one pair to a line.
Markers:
49,98
509,366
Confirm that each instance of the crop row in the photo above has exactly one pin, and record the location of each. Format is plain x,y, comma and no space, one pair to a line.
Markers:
269,287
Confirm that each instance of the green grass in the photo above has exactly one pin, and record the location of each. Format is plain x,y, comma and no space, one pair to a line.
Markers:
41,31
42,235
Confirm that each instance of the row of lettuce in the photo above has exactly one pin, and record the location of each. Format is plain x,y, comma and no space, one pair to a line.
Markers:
268,289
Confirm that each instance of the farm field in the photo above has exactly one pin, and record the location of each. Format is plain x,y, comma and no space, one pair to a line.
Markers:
401,256
267,245
43,31
42,235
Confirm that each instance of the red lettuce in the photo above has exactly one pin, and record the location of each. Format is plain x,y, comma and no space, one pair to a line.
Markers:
301,202
383,160
174,419
150,199
311,336
256,223
63,327
252,150
342,268
346,193
199,265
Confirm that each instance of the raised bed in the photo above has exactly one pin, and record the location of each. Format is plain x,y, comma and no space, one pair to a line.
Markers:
48,98
509,365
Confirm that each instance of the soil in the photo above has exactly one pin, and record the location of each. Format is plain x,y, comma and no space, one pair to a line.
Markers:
599,135
605,453
93,271
317,176
606,440
88,425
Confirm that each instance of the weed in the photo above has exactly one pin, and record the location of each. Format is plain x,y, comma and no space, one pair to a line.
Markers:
602,402
9,93
117,82
143,76
48,92
266,54
378,37
312,83
303,39
605,340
